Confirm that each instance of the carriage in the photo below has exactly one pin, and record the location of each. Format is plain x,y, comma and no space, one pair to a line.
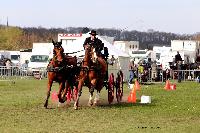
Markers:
72,76
113,82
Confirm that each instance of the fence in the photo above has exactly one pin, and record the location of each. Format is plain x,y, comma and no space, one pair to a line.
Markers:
14,72
163,75
191,75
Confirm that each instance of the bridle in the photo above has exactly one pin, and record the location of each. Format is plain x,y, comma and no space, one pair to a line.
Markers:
56,54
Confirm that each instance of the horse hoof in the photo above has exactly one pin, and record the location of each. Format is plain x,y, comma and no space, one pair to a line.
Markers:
59,104
64,99
61,100
45,105
76,107
90,104
96,103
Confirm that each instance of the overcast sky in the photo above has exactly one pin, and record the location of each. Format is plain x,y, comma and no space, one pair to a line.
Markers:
177,16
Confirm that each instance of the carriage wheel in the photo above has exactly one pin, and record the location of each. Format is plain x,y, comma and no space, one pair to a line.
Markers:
119,86
111,87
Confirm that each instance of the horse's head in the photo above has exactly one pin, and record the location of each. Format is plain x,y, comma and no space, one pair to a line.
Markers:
90,53
58,51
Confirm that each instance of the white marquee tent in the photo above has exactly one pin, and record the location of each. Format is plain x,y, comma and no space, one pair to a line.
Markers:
122,59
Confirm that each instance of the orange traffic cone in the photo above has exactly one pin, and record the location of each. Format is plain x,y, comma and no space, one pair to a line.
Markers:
137,85
132,96
167,85
173,87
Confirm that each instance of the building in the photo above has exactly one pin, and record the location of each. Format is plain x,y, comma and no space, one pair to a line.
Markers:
142,55
163,56
68,37
127,46
109,39
189,48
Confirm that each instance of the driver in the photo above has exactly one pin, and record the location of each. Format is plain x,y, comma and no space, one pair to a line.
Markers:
99,46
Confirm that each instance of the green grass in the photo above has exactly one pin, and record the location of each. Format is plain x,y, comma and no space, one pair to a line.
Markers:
21,110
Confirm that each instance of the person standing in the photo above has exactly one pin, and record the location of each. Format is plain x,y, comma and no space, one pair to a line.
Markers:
140,71
178,61
8,67
112,60
154,71
178,57
131,71
179,71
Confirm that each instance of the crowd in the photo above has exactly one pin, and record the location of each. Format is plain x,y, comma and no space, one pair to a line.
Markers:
146,71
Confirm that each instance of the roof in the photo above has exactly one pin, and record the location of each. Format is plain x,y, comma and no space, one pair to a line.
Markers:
77,45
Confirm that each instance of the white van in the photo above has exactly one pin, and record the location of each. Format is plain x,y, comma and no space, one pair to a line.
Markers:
14,56
40,56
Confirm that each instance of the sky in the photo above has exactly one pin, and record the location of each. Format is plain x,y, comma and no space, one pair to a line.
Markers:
176,16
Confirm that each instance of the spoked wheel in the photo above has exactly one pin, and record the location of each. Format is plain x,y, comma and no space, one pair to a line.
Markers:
119,86
111,87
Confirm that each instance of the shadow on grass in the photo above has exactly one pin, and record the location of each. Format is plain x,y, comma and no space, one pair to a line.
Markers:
125,104
104,105
50,108
151,83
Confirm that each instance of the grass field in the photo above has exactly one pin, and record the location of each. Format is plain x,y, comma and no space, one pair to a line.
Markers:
21,110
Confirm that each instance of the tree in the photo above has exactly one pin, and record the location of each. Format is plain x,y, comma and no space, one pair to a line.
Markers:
10,38
85,30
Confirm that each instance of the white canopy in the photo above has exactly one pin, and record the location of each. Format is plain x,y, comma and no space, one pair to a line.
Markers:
77,45
122,59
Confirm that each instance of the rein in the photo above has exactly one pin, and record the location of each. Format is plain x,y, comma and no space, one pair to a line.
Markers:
75,52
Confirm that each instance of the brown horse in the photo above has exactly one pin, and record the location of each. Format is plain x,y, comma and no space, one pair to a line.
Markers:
59,70
92,74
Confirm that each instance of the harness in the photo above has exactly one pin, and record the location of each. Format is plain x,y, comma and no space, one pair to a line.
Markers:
51,68
62,65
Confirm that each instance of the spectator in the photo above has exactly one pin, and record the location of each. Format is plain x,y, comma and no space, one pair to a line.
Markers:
112,60
179,71
178,57
140,71
154,70
8,67
178,61
131,70
25,65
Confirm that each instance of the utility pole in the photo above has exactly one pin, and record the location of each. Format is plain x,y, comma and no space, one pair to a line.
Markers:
7,22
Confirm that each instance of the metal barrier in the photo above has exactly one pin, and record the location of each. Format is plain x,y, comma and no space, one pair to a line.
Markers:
14,72
163,75
191,75
151,76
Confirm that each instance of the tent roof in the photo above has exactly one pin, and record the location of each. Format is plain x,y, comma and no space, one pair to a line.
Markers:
77,45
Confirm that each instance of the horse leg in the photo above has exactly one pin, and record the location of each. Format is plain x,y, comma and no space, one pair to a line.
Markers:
100,83
50,82
63,95
91,90
61,87
68,93
80,85
96,99
90,102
